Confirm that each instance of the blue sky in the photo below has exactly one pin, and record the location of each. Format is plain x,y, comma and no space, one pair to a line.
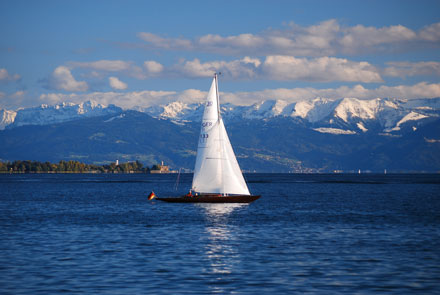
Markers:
140,53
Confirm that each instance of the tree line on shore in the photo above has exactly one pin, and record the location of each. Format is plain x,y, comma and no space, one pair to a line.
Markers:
27,166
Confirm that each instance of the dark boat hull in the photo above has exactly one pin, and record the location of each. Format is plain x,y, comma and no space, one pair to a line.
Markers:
211,199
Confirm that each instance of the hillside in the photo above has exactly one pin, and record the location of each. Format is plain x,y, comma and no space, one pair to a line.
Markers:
274,144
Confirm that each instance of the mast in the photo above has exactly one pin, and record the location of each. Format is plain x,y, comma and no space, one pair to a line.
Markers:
217,94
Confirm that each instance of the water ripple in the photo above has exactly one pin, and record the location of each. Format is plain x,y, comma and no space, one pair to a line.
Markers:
306,234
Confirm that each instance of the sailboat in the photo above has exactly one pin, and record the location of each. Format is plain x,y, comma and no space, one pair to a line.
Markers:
217,175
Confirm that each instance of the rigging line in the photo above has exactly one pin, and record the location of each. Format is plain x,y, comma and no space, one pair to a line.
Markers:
177,180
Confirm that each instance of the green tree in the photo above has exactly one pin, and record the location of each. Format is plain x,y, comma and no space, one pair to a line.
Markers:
3,167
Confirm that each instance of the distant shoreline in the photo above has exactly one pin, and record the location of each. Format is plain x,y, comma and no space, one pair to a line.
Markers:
36,167
71,172
173,173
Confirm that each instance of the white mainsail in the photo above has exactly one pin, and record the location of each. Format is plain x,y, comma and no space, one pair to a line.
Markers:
216,169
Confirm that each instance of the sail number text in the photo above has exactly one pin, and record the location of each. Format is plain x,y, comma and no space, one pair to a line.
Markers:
204,137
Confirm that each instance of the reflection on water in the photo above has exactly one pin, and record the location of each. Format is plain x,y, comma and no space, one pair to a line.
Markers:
218,211
97,234
221,247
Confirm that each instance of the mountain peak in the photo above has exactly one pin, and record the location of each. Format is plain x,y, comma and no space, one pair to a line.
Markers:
6,118
62,112
348,112
354,112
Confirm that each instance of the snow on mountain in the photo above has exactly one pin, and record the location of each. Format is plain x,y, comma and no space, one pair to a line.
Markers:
6,118
386,112
115,118
346,114
334,130
355,108
361,127
389,113
177,111
315,110
265,109
62,112
412,116
423,104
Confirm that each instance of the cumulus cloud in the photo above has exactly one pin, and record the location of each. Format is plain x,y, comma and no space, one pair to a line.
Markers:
62,79
245,68
273,67
323,69
153,68
13,100
5,76
420,90
360,38
404,69
323,39
281,68
165,43
103,65
431,33
100,68
148,98
115,83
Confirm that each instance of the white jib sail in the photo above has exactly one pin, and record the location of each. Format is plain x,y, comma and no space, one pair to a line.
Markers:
216,169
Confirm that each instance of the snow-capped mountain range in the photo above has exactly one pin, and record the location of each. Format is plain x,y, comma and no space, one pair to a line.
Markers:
325,115
320,135
63,112
341,116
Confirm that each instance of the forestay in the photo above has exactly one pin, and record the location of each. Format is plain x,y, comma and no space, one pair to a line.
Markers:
216,169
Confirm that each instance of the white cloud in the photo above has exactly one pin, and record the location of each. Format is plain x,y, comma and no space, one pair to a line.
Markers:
245,68
103,65
62,79
165,43
404,69
5,76
122,99
281,68
420,90
100,68
430,33
115,83
361,38
323,39
153,68
149,98
272,67
11,101
192,95
229,45
323,69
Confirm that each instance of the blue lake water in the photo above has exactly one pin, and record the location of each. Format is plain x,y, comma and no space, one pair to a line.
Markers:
313,233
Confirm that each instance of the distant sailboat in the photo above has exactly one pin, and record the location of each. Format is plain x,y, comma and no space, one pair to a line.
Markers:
217,175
